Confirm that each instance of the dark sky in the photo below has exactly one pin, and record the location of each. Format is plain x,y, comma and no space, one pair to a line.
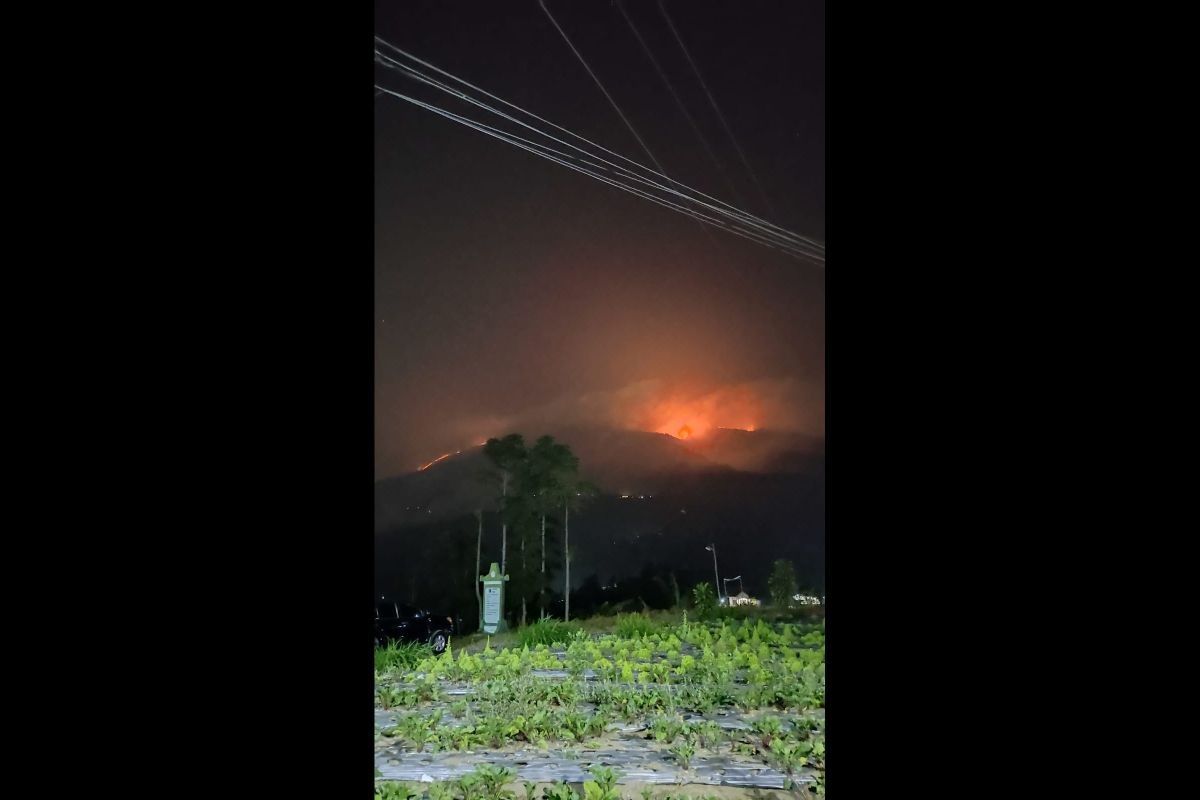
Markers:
507,285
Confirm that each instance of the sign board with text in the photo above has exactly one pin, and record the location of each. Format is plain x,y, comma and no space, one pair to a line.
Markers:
493,599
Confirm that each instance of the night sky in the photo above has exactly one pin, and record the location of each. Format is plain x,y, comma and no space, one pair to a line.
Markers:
510,290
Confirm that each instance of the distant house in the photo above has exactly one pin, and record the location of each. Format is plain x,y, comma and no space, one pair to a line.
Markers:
806,600
743,599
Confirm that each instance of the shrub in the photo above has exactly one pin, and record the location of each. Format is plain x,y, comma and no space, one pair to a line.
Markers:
400,656
705,600
635,626
547,632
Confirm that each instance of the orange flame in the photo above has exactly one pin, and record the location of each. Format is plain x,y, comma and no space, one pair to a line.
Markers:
431,463
694,416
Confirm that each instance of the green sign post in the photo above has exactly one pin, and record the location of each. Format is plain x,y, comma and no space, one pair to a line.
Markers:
493,600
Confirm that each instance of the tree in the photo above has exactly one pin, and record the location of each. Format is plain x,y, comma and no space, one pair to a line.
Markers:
782,583
475,577
705,600
535,483
584,491
506,455
547,472
520,515
555,482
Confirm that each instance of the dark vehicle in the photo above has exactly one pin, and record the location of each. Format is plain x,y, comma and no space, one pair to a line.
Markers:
400,623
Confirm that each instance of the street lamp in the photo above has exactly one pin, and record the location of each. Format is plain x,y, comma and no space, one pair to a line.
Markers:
716,576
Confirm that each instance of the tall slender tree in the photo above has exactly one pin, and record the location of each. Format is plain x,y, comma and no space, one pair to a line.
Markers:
549,467
583,492
560,488
478,550
507,455
521,517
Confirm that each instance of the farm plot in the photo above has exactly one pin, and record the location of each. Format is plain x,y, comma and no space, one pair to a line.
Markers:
691,705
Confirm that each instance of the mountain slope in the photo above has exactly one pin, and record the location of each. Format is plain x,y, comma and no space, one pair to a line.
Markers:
681,497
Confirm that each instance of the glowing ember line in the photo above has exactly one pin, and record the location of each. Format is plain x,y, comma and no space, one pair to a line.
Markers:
431,463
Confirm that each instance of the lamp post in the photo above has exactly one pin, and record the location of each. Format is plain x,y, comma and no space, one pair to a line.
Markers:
716,575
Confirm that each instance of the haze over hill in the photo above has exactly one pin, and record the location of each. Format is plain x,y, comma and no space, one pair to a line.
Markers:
618,461
678,496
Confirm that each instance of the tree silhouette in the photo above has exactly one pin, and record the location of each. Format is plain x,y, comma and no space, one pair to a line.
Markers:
506,455
782,583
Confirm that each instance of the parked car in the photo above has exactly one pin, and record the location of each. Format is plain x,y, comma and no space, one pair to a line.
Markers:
402,623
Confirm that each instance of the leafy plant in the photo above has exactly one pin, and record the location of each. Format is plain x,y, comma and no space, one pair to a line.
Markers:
470,786
604,785
559,791
705,600
493,779
790,755
390,697
666,729
400,656
548,632
576,725
767,727
708,733
496,730
684,751
635,626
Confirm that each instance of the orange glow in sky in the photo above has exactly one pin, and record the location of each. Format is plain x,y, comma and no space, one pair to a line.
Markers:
693,418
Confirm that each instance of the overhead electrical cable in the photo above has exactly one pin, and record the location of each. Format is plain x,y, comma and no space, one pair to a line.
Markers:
620,171
679,102
713,101
732,209
553,155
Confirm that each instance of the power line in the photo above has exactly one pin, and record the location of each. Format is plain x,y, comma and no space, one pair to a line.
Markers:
616,108
620,177
679,102
712,100
763,235
545,152
763,231
721,207
552,155
533,147
733,209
